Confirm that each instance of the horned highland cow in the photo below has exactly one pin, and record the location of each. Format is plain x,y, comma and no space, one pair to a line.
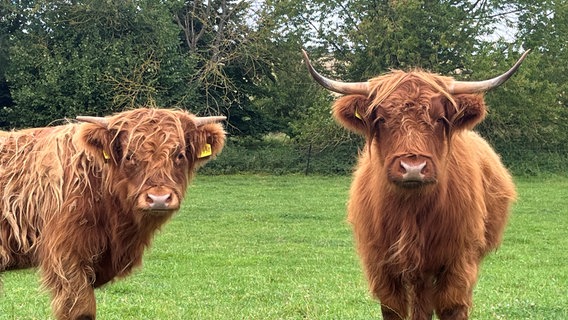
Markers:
82,200
430,198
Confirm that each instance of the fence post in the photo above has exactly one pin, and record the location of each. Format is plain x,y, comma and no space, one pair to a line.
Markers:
309,156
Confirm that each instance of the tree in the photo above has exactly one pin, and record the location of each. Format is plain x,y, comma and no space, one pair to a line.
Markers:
232,60
92,57
8,23
528,123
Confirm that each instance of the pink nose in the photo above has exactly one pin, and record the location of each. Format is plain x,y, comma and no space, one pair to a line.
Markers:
412,171
158,198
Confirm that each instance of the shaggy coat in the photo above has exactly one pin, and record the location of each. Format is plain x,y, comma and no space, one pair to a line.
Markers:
82,201
429,199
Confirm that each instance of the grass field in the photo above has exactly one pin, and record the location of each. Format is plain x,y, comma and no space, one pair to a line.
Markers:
266,247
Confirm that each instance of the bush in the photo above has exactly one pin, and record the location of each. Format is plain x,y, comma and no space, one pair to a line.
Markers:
281,155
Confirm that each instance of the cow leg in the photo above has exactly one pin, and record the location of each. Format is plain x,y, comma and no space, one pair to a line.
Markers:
73,296
458,313
74,306
455,293
422,305
389,314
392,295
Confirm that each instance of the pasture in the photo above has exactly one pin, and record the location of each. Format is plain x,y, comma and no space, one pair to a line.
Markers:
278,247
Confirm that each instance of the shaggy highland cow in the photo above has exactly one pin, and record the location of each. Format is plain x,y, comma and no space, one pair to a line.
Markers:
430,198
82,201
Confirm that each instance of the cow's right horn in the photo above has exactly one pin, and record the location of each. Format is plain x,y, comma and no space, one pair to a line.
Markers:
96,120
486,85
200,121
336,86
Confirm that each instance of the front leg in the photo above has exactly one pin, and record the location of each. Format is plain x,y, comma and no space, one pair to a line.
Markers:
67,254
422,305
455,292
458,313
393,296
385,283
73,297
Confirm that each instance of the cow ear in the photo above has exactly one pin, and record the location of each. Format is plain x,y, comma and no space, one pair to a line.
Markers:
351,112
96,139
206,142
470,110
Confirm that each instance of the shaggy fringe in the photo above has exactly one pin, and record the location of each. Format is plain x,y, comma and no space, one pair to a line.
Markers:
383,87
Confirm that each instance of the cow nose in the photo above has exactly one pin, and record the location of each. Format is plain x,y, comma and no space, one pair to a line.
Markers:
412,171
160,200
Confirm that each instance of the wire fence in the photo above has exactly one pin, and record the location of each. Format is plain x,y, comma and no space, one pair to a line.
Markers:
522,159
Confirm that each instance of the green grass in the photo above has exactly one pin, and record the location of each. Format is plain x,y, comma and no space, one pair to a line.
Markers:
266,247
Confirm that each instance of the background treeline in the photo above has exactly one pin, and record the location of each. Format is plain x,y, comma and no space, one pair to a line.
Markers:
61,58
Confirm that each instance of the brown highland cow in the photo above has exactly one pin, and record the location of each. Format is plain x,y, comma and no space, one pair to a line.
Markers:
430,198
82,201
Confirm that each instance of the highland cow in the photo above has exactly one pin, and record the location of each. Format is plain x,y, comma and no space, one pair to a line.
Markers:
82,201
430,198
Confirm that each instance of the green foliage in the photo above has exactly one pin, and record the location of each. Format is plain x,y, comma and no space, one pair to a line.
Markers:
525,100
279,247
528,116
435,35
242,59
92,59
231,48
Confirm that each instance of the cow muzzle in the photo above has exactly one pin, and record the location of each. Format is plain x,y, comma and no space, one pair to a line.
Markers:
412,171
158,199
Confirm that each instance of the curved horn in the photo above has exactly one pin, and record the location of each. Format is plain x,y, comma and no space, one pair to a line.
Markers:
96,120
336,86
485,85
200,121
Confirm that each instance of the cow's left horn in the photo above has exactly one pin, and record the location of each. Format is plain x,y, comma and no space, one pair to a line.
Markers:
481,86
200,121
336,86
96,120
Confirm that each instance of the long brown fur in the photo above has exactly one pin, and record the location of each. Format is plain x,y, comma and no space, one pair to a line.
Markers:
71,193
421,247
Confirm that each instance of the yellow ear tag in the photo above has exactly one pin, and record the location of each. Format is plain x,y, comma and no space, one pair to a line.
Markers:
357,115
205,152
106,156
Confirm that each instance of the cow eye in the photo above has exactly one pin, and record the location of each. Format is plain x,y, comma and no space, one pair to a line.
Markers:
180,157
130,158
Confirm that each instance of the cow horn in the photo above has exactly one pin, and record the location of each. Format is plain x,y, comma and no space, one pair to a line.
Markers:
481,86
200,121
336,86
96,120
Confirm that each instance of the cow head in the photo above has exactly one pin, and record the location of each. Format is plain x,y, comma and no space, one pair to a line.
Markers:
409,118
150,154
